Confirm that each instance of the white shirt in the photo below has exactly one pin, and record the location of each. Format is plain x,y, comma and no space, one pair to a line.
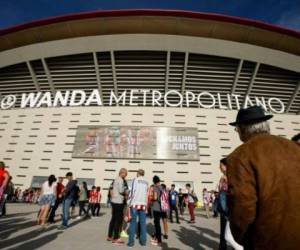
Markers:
49,190
138,192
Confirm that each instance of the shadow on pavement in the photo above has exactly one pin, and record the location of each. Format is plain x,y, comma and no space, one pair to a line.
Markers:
8,228
34,244
36,237
164,246
197,239
18,215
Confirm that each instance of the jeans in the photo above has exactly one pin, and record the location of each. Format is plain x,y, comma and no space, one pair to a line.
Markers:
116,220
215,207
157,216
141,214
66,211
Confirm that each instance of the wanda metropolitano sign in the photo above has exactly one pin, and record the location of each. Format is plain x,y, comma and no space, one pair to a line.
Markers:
140,97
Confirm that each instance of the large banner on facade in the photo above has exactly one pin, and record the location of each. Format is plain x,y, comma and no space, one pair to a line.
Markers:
129,142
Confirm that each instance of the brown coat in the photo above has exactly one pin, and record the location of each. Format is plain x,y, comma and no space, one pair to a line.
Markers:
264,193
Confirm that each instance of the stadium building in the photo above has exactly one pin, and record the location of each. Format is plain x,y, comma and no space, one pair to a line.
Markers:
153,89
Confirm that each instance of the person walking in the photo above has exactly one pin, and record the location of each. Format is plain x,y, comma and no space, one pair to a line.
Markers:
59,196
83,198
157,211
48,197
4,179
69,195
173,199
191,198
118,194
263,174
137,203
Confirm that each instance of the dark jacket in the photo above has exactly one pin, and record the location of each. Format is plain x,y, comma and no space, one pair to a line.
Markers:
264,193
71,190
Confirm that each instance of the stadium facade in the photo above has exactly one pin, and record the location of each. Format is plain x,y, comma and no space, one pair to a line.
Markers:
110,83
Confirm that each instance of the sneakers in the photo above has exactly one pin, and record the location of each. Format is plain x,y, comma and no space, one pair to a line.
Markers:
78,217
124,234
118,242
109,238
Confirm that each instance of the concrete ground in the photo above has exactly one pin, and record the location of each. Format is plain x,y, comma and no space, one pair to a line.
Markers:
19,232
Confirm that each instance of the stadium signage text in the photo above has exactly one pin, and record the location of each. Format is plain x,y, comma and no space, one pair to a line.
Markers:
141,97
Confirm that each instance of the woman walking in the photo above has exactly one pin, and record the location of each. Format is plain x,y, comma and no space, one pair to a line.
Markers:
83,198
48,196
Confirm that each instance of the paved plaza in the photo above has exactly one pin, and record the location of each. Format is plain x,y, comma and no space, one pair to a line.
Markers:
18,231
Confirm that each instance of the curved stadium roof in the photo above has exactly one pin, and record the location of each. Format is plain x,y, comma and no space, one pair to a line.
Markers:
153,69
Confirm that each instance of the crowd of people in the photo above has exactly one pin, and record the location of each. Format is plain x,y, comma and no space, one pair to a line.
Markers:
135,203
128,203
13,194
256,198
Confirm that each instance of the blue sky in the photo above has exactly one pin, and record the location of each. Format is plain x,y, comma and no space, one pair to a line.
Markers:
284,13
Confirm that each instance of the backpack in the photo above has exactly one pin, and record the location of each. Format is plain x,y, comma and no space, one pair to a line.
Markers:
164,201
